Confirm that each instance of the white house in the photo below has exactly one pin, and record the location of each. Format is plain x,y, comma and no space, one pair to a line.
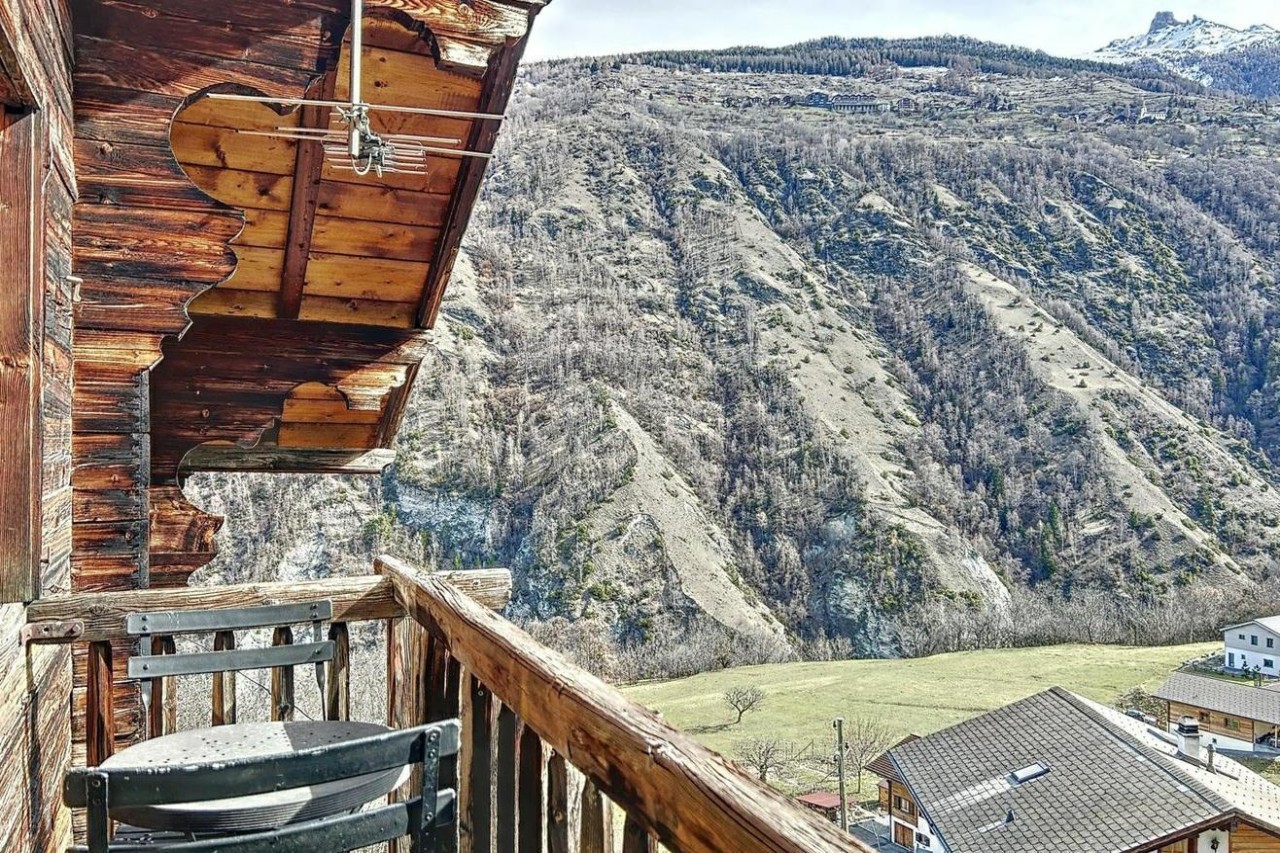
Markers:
1253,645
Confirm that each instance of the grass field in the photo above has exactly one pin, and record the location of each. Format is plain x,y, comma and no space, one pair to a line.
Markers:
915,696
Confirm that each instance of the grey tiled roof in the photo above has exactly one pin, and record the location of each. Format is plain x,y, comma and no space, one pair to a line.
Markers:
1108,788
1233,698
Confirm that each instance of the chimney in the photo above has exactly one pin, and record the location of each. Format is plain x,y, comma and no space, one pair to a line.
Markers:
1208,756
1189,738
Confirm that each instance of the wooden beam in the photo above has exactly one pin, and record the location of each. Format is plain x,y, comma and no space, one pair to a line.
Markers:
303,203
354,600
498,82
691,799
21,333
230,457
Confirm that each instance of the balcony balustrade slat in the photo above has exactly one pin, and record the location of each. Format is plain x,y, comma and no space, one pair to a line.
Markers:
596,831
636,840
689,798
557,804
99,705
223,709
505,782
163,714
282,705
337,700
446,685
529,791
476,769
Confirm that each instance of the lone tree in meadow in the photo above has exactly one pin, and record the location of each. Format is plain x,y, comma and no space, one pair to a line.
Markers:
743,699
761,755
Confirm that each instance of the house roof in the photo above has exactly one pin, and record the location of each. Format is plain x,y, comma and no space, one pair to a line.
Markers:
1271,623
882,765
820,800
1113,783
1232,698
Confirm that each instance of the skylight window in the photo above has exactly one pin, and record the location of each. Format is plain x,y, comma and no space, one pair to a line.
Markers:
1031,771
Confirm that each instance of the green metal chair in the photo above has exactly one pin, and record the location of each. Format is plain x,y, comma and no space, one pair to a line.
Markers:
101,790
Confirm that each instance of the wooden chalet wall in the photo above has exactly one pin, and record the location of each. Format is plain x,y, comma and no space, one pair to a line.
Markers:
37,185
147,241
158,240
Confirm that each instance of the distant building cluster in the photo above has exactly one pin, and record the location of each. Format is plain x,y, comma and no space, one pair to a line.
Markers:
850,104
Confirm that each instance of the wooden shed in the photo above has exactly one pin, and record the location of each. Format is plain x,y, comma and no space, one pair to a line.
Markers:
196,279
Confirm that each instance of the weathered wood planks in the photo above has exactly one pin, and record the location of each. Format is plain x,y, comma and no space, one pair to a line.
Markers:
21,328
225,382
498,82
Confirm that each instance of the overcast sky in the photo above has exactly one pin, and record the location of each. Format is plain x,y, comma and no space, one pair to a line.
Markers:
1064,27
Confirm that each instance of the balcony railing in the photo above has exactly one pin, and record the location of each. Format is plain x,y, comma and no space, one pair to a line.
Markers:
532,721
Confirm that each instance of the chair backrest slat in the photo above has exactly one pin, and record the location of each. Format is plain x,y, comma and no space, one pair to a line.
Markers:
195,663
149,786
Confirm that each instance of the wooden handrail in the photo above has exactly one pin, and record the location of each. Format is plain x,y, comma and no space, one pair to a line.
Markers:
678,790
354,599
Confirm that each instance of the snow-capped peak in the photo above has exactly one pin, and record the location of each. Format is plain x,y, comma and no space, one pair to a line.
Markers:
1170,39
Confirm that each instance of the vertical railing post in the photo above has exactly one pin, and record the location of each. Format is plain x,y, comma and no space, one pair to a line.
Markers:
163,713
529,795
223,710
557,804
505,782
337,700
475,768
636,839
596,831
282,704
408,677
445,675
99,708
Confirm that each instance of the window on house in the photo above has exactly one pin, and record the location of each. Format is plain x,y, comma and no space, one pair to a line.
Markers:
903,805
1241,636
1268,663
1253,639
1231,659
1271,642
1203,716
1231,723
922,840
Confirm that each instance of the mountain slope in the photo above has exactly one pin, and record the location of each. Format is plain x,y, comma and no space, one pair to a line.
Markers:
709,356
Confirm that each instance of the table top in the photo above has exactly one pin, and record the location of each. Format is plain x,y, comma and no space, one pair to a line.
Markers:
259,811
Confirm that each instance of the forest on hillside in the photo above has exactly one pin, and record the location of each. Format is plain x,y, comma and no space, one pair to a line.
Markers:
728,383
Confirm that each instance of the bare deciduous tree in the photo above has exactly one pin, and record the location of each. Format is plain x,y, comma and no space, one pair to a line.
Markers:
761,755
864,739
743,699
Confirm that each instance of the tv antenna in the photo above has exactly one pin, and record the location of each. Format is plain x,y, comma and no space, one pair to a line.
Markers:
350,143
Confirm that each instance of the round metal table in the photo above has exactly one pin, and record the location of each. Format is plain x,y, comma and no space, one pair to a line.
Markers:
259,811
